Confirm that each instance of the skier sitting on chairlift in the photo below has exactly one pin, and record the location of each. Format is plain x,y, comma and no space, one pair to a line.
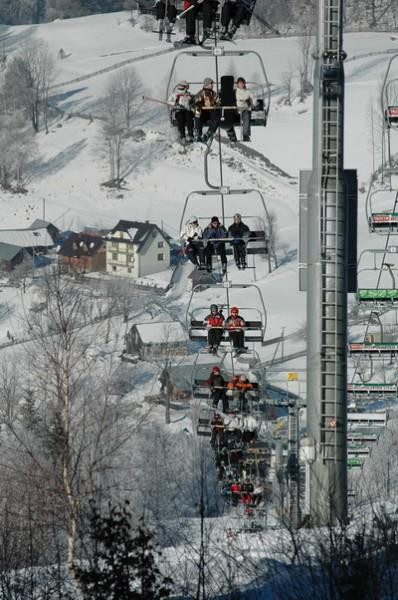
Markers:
245,101
191,235
236,326
217,384
182,100
236,11
241,385
215,326
206,112
160,11
208,8
240,234
211,233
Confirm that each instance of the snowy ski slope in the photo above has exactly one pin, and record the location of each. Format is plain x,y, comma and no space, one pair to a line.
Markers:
72,162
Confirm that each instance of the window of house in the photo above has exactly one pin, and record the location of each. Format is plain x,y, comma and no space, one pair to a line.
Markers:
160,256
114,255
160,244
114,268
128,269
114,245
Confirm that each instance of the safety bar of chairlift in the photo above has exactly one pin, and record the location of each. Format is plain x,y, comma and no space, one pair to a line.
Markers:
205,242
389,250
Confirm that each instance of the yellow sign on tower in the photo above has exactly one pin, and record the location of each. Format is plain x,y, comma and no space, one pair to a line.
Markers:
292,376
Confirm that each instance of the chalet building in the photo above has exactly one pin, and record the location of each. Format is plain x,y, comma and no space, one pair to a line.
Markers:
10,256
135,249
156,340
18,244
83,252
52,230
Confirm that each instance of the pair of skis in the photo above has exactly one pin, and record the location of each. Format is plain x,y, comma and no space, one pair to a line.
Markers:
165,27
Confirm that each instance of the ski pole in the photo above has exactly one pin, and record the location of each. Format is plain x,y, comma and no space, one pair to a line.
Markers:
184,12
157,101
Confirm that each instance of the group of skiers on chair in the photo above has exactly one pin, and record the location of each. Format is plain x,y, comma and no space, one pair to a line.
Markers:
201,245
235,325
237,387
233,14
204,108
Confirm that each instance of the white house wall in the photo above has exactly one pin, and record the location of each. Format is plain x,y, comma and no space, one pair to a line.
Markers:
121,258
148,256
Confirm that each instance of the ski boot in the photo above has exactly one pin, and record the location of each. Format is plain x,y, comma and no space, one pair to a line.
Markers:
232,32
224,34
206,35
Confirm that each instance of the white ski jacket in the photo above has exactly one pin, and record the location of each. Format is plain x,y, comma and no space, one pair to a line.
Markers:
191,232
181,100
245,99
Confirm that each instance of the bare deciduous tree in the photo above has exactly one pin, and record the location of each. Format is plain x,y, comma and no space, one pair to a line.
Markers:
27,81
305,45
123,92
287,84
63,442
17,146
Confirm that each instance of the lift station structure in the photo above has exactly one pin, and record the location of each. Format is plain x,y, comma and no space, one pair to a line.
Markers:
327,272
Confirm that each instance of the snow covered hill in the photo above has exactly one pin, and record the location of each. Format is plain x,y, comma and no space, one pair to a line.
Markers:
72,162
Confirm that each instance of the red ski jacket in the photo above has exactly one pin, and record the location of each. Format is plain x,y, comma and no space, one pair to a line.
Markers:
235,323
214,320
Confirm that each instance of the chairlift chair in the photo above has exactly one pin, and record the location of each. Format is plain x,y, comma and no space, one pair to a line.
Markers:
384,221
379,295
256,326
258,243
263,89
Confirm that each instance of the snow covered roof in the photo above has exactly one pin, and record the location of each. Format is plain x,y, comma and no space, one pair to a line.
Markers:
9,251
81,244
161,332
26,238
137,230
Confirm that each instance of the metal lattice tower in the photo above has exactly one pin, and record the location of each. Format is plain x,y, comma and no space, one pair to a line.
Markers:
327,277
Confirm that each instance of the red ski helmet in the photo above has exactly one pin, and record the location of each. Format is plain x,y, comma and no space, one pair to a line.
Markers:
234,310
215,369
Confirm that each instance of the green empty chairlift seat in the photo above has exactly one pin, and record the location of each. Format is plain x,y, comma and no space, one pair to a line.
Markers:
377,296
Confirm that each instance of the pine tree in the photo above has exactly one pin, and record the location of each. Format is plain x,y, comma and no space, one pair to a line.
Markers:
123,565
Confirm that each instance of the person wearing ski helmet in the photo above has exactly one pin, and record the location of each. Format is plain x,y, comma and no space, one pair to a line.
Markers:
235,325
240,234
182,100
206,112
213,232
208,9
192,235
160,11
217,384
214,322
239,385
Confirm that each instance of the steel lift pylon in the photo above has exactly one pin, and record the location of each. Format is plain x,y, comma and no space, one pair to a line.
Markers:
327,273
